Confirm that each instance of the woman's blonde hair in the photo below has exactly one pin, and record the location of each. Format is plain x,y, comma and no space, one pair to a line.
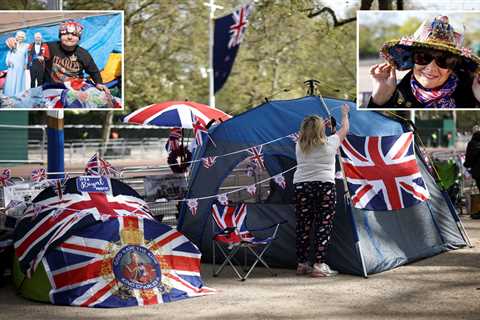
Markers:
312,133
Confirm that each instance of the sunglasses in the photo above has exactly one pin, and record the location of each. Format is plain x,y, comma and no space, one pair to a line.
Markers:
443,60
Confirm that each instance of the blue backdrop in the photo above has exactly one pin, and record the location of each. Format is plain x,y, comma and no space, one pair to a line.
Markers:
101,36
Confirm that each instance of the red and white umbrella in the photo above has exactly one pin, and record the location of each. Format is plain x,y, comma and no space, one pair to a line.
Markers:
175,114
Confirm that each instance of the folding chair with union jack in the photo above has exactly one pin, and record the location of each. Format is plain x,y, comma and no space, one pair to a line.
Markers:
230,234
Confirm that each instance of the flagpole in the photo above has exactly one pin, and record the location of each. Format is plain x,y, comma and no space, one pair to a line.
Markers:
211,88
55,126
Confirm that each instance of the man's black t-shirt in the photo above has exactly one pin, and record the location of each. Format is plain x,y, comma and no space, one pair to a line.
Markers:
63,65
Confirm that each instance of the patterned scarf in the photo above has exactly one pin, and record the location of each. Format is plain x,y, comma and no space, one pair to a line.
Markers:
435,98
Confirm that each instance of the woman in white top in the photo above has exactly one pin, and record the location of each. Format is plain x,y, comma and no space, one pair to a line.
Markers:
315,196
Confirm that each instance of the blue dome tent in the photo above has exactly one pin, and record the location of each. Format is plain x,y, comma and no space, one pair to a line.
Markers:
387,238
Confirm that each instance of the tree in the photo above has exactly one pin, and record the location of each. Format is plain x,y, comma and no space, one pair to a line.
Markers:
22,5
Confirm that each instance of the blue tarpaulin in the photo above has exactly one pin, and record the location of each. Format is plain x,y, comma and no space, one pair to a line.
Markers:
101,36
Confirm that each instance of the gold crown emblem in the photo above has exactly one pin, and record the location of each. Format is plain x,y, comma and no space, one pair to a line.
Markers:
164,264
131,235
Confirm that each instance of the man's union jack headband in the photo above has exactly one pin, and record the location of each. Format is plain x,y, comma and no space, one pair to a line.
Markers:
71,27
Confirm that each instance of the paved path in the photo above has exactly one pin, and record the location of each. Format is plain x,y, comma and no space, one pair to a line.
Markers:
443,287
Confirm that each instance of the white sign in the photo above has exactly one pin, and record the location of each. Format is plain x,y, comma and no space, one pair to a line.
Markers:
20,192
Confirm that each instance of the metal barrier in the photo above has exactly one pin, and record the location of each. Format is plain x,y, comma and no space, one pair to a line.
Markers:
167,210
132,149
26,144
164,210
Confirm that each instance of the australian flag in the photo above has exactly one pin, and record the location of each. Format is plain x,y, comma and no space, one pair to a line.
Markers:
382,172
228,34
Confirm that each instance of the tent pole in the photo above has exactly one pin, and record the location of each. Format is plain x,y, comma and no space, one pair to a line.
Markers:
455,216
348,205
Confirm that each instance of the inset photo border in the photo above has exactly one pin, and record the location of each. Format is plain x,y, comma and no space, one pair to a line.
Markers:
418,60
61,60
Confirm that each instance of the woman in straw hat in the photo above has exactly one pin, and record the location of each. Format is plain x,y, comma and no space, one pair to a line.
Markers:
443,73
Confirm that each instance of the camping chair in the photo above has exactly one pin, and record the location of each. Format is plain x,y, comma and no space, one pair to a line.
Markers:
230,234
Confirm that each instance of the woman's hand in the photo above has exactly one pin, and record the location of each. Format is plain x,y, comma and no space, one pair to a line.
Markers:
476,87
345,123
384,80
345,110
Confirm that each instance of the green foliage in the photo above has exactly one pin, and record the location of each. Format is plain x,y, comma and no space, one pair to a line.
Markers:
373,36
22,5
167,45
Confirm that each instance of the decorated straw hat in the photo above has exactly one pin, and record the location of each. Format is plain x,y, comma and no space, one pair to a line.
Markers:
439,35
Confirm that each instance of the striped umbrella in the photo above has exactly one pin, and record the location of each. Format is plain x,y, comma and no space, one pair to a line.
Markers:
176,114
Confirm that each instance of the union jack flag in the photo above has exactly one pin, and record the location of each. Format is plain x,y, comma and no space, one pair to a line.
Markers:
52,93
227,217
5,178
199,129
57,184
257,156
96,166
50,220
39,174
193,205
223,199
124,261
252,189
280,180
208,162
382,172
173,142
237,30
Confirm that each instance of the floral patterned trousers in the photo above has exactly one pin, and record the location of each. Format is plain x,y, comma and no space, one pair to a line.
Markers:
315,207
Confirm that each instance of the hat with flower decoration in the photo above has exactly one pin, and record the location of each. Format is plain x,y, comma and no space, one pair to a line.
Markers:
71,27
437,35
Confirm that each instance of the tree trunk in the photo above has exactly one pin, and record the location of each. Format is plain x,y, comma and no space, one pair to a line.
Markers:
399,4
385,4
366,4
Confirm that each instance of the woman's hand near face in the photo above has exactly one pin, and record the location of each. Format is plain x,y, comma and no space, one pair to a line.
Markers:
384,80
476,86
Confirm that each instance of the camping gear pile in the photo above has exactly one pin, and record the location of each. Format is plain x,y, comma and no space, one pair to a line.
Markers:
451,174
91,241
